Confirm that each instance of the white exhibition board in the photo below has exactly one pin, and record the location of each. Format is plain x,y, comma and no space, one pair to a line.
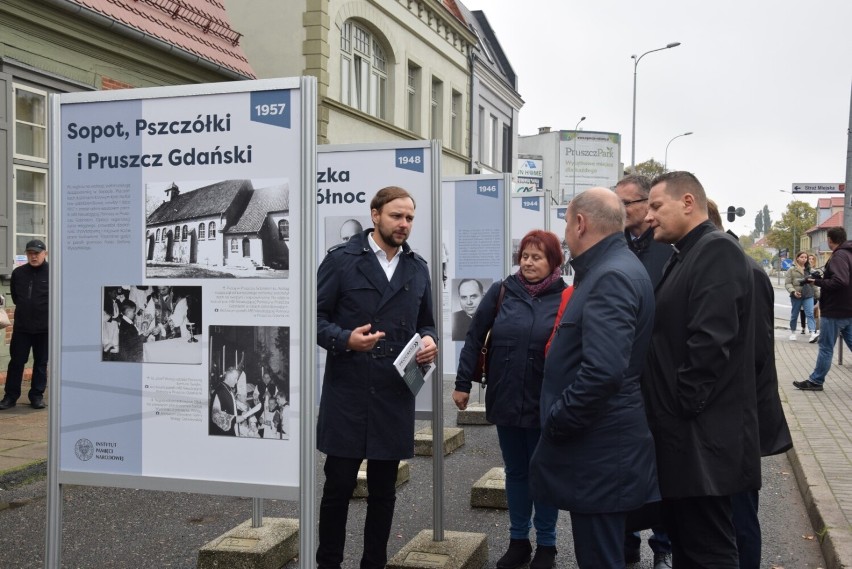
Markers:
186,201
348,176
529,212
474,216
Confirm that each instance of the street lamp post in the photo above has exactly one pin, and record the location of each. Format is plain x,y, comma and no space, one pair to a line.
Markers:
666,159
574,184
636,59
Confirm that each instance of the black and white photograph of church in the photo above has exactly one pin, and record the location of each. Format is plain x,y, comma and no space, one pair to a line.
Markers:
220,230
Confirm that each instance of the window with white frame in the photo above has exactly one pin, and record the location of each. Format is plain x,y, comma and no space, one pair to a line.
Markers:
30,205
455,121
412,103
30,124
363,71
201,231
211,230
436,109
30,166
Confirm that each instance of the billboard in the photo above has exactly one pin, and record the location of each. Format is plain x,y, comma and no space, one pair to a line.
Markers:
586,160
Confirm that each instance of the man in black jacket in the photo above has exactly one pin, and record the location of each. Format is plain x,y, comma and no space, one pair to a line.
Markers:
633,192
699,382
30,295
835,306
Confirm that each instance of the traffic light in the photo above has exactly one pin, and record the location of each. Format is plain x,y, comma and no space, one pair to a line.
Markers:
732,213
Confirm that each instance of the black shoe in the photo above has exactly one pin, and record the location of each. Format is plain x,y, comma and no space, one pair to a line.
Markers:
38,403
632,556
807,385
662,561
517,555
7,403
544,558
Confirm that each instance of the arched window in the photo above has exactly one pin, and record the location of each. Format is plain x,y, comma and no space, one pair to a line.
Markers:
235,246
284,230
363,71
157,238
185,233
211,230
201,231
177,232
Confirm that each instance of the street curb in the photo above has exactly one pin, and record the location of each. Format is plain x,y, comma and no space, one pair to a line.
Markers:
825,514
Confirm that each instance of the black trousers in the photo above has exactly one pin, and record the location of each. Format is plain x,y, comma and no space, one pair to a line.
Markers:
599,540
702,532
747,524
19,351
341,477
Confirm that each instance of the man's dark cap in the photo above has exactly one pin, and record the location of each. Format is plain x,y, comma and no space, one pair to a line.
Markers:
36,245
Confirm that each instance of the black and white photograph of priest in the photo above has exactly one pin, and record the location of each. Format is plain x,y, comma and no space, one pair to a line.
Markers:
249,382
341,228
217,229
151,324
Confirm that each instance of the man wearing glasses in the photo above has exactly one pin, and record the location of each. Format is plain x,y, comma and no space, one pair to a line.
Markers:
633,192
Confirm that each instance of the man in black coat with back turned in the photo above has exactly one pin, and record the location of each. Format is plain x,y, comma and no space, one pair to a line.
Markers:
30,294
699,382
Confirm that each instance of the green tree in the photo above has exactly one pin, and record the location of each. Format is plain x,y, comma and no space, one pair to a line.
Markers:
762,222
649,168
758,254
767,221
798,218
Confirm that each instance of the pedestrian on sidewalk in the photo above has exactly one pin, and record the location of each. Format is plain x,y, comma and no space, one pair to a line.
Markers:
29,287
519,312
595,457
373,295
774,433
699,381
836,306
801,296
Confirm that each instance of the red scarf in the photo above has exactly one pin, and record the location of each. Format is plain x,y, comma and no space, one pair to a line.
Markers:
566,296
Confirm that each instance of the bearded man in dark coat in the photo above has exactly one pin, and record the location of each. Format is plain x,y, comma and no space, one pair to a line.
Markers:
373,295
699,382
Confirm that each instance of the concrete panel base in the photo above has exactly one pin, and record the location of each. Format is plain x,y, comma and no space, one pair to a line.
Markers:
459,550
403,474
490,490
473,415
453,439
245,547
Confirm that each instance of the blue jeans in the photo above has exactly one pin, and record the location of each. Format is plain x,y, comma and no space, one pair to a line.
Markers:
806,304
517,445
829,328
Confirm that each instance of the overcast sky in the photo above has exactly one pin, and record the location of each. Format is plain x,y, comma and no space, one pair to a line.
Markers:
764,85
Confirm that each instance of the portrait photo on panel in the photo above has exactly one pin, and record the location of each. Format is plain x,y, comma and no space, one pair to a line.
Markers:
249,382
340,228
466,293
151,324
224,229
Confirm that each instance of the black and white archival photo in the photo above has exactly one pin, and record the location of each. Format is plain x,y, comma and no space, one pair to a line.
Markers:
466,294
340,228
225,229
151,324
250,381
